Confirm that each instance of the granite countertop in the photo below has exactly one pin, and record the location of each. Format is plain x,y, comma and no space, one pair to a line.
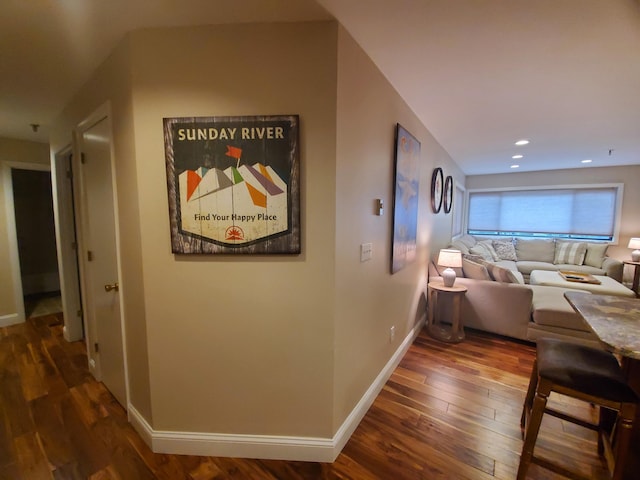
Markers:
615,320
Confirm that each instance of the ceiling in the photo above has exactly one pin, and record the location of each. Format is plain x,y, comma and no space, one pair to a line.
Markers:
480,75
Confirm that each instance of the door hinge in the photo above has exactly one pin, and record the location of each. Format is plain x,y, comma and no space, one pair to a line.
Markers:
74,246
90,255
79,313
83,158
96,347
69,174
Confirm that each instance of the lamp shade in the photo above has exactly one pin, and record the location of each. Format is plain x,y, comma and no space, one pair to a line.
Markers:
635,244
450,258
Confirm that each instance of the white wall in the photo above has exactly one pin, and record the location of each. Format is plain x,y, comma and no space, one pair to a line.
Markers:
369,299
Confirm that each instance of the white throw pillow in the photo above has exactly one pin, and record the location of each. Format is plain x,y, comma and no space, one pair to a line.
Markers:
570,253
595,254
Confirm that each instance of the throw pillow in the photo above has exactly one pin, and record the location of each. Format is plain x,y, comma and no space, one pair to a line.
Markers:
474,270
485,250
467,240
501,274
505,250
459,245
570,253
595,254
537,250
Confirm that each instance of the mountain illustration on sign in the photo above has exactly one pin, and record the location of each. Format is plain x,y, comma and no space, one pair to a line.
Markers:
234,206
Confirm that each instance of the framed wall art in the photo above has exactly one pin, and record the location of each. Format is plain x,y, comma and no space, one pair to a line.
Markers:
233,184
447,198
436,189
405,199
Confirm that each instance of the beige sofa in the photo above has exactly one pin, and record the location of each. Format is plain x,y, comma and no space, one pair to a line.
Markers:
499,298
516,310
527,254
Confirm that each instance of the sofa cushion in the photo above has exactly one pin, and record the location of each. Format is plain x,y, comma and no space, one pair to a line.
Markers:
468,240
595,254
526,267
485,250
501,274
538,249
474,270
550,308
505,250
571,253
458,245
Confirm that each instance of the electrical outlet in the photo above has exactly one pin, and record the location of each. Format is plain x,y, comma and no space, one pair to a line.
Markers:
392,333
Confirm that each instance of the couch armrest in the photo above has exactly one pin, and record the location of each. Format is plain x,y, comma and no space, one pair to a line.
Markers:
502,308
613,268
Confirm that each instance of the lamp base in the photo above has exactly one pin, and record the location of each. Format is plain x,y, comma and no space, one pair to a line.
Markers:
448,277
635,256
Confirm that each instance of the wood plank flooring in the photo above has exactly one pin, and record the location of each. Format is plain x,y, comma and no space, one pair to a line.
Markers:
447,412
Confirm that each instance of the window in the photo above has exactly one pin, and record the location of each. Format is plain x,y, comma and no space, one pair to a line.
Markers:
584,212
458,209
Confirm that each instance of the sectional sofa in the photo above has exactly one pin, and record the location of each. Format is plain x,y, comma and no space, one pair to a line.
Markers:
499,298
527,254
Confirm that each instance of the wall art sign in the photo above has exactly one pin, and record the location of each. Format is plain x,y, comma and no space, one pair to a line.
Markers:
233,184
436,189
405,199
447,201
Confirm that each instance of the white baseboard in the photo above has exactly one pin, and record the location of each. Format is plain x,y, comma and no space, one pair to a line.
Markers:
307,449
11,319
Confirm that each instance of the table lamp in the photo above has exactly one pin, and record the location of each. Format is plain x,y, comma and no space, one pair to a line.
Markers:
635,244
449,258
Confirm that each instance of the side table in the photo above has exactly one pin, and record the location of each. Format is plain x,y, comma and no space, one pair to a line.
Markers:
636,274
445,333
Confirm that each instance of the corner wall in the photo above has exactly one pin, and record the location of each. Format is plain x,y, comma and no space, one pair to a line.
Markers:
111,84
369,299
239,344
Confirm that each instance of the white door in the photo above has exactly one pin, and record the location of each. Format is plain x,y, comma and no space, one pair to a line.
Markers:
67,243
100,260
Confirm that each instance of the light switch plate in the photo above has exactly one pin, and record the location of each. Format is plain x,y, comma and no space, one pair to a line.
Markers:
366,251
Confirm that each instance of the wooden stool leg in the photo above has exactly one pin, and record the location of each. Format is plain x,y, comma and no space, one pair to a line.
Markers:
531,434
624,430
528,399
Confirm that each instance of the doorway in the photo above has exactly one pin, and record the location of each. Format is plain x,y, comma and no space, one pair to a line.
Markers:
36,239
28,198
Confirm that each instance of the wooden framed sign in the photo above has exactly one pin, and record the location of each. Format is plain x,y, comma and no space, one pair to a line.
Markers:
233,184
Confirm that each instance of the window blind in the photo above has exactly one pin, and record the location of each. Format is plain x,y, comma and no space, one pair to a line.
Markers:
587,213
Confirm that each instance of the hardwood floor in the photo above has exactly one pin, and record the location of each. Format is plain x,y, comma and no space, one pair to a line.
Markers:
447,412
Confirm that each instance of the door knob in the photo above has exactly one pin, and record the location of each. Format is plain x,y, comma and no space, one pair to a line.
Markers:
108,288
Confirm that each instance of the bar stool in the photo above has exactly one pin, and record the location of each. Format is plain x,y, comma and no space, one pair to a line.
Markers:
586,374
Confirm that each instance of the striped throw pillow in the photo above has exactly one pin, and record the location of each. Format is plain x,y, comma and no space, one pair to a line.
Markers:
570,253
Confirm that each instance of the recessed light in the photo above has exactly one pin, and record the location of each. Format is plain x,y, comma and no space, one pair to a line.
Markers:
522,142
515,166
586,161
516,157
